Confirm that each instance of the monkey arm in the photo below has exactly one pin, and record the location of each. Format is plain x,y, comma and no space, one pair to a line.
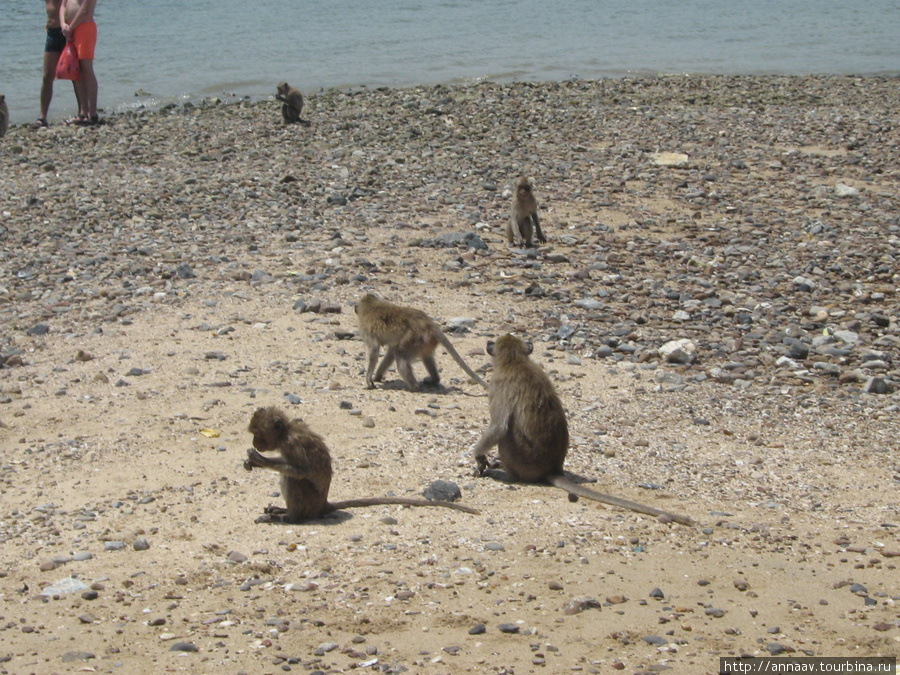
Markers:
256,460
281,98
490,438
537,228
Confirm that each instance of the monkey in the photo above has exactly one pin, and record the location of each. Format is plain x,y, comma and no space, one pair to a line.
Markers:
305,468
408,334
293,104
4,116
523,214
528,424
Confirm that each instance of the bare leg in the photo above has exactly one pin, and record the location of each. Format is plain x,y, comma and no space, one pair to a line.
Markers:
50,61
86,90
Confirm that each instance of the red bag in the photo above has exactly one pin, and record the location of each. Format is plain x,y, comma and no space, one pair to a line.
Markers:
68,68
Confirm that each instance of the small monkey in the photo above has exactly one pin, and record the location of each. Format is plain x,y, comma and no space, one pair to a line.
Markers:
408,334
528,424
4,116
305,468
523,221
293,104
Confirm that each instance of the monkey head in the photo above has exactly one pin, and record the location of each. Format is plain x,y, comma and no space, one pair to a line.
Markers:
270,428
509,345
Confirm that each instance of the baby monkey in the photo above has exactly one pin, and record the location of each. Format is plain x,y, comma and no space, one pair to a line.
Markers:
523,221
528,425
305,468
293,104
408,334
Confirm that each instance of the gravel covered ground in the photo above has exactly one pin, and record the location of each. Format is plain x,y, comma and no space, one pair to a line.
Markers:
717,305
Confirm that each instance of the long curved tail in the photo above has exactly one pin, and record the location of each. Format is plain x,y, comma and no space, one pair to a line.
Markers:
445,341
564,483
403,501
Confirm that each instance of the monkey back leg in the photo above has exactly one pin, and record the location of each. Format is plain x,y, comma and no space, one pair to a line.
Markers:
434,377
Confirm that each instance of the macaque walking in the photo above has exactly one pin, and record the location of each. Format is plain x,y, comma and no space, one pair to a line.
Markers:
304,463
528,426
409,334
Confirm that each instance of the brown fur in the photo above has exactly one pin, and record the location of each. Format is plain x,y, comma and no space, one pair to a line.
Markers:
524,222
293,104
4,116
305,468
409,334
528,426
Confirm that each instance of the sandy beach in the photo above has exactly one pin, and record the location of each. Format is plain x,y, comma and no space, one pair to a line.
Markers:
716,304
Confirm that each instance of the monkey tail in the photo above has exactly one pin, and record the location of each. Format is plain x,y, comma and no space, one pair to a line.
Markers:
564,483
445,341
402,501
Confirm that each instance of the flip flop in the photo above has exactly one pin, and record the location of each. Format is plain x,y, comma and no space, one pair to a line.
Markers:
88,121
39,123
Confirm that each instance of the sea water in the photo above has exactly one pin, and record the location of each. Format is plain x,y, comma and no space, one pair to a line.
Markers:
173,51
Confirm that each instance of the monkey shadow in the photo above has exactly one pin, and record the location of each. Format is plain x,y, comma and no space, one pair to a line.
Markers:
332,518
438,389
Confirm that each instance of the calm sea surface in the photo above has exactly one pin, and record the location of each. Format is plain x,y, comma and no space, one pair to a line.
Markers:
181,50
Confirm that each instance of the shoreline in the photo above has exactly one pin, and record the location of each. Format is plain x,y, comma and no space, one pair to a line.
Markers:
140,103
164,275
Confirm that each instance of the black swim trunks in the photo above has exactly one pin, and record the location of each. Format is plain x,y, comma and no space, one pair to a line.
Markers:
56,41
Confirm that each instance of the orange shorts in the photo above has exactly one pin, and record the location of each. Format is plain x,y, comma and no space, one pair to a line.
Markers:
84,39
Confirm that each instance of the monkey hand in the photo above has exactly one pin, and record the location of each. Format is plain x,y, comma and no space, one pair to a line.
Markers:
252,459
481,465
541,238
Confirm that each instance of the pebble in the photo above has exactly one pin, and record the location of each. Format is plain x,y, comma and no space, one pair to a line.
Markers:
442,490
65,586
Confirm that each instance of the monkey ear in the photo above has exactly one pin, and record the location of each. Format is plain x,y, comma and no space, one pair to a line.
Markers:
529,347
280,426
490,347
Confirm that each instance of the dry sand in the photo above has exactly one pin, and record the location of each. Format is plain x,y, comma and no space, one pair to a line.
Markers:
164,274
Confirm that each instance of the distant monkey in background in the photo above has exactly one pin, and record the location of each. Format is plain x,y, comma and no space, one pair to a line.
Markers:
293,104
523,221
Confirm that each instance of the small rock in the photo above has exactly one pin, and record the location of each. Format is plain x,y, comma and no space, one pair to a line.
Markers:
65,586
325,647
183,647
578,605
237,557
442,490
655,640
477,629
508,628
